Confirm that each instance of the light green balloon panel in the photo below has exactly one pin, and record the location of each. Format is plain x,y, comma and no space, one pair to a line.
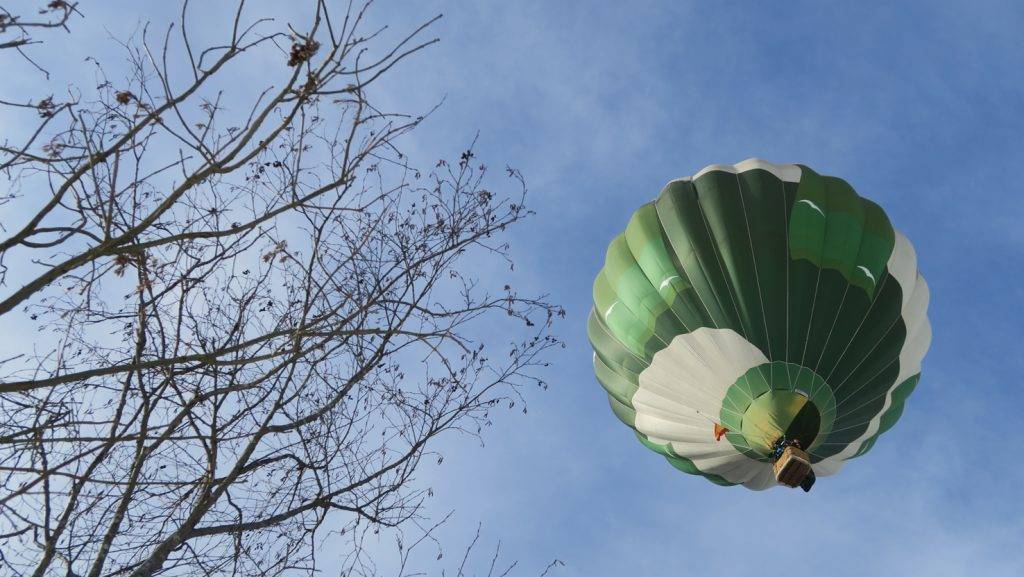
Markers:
797,265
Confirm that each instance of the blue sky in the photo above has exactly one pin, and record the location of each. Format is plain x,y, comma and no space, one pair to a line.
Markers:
917,104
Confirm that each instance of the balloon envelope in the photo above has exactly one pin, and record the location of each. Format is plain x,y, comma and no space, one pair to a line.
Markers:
759,302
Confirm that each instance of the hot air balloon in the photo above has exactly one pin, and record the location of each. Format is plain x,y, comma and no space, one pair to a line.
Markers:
759,324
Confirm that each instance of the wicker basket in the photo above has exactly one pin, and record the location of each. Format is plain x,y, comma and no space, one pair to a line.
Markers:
792,467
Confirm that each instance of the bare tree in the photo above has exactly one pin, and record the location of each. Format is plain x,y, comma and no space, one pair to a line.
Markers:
242,313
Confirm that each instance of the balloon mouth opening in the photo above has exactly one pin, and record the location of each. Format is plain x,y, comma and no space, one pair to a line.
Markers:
780,415
776,400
